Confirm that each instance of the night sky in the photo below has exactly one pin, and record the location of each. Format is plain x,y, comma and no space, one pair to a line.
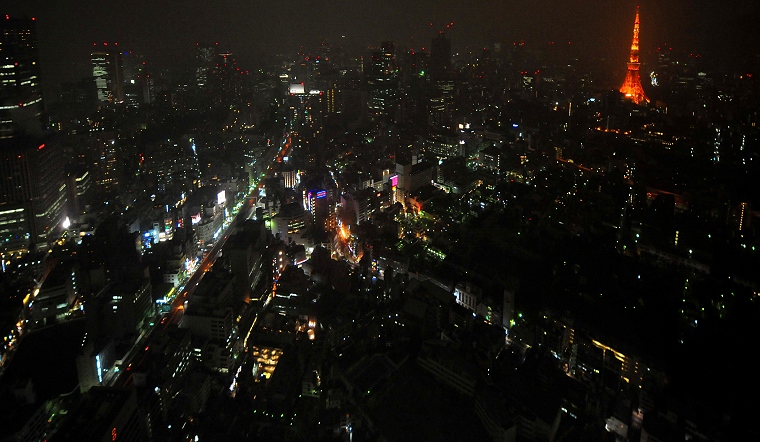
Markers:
166,30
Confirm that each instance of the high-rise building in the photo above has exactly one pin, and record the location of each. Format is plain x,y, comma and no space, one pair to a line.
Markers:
217,73
440,57
32,186
20,94
204,62
383,81
138,85
106,166
631,87
32,191
226,82
108,71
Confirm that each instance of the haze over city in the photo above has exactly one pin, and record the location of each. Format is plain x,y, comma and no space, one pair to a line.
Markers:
167,31
379,221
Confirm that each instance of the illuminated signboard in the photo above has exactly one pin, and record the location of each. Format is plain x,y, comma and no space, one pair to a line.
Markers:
195,219
297,88
221,197
394,181
321,194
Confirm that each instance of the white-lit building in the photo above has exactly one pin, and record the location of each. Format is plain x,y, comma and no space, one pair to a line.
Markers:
467,296
444,146
108,72
206,209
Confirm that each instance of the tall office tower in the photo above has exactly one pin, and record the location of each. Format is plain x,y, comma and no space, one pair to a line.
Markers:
321,68
20,94
440,58
138,86
414,75
631,87
216,72
226,81
440,97
32,189
382,80
108,72
106,165
204,62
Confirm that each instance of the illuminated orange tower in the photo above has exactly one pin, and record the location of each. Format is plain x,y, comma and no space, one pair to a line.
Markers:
631,87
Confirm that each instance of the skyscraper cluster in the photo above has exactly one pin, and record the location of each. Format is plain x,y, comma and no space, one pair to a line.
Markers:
120,76
311,250
32,190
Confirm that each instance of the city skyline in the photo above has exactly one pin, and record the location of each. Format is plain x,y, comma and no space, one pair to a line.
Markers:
167,34
287,221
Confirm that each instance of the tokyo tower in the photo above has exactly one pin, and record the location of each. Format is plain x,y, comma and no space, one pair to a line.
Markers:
631,87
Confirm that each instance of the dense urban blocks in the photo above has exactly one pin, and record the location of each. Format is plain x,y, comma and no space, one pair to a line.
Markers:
407,241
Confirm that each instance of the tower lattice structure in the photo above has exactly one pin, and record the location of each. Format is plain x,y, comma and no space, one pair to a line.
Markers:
631,87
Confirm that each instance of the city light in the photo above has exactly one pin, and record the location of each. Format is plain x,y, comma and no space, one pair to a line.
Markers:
358,224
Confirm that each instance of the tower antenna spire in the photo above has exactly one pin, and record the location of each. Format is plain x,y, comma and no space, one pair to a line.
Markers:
631,87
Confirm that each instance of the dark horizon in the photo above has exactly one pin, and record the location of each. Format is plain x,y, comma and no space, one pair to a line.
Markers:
541,242
166,34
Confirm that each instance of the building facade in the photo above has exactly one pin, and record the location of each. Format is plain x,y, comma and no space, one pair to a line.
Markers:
108,72
32,184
